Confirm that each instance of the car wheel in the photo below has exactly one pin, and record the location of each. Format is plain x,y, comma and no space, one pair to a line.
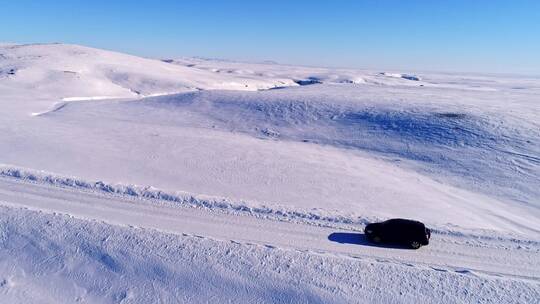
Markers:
415,245
376,239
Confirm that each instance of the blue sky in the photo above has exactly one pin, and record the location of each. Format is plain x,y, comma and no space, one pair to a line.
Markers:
483,36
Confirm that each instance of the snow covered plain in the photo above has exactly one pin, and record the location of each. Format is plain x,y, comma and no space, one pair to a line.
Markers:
136,180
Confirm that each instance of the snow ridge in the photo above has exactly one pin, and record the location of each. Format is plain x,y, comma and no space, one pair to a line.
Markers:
184,198
318,217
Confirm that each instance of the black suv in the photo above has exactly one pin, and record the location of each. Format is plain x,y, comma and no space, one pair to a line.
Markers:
399,231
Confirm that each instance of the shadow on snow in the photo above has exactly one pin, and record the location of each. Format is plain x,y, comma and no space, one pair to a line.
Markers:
359,239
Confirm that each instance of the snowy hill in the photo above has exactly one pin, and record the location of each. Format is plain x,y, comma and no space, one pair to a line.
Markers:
68,71
242,166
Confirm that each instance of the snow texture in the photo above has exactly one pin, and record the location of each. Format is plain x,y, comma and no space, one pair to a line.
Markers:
266,147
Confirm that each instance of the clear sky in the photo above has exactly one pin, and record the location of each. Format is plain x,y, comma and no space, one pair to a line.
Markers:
470,35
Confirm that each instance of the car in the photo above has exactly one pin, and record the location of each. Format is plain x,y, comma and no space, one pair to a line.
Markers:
411,233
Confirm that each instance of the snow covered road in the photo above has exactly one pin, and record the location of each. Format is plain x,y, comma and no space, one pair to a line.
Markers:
494,255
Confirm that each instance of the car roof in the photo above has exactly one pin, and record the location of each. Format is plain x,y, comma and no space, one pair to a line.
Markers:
400,221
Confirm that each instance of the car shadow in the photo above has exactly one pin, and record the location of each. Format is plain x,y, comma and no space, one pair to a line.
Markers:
359,239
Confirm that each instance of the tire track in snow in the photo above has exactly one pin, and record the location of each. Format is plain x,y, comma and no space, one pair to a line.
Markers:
448,253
